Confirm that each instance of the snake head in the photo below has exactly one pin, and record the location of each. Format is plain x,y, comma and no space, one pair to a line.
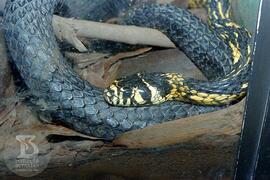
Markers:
137,90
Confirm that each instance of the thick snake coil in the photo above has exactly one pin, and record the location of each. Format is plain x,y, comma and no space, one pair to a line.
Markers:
222,55
80,105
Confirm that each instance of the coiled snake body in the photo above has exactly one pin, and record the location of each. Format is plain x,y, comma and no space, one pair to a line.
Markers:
221,52
81,105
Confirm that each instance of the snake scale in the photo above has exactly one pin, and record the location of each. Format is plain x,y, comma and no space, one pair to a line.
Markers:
79,104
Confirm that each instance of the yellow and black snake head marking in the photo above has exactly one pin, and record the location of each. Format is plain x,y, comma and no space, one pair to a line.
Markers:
138,90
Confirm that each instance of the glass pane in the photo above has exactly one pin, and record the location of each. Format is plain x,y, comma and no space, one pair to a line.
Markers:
123,89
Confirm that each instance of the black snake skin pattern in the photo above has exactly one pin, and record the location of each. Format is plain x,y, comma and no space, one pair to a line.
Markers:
69,99
95,10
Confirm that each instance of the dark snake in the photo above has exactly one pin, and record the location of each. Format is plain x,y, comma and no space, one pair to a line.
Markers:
224,59
79,104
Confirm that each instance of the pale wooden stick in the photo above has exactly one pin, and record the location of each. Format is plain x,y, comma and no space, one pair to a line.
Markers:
69,30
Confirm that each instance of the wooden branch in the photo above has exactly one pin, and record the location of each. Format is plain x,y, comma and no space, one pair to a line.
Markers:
69,30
